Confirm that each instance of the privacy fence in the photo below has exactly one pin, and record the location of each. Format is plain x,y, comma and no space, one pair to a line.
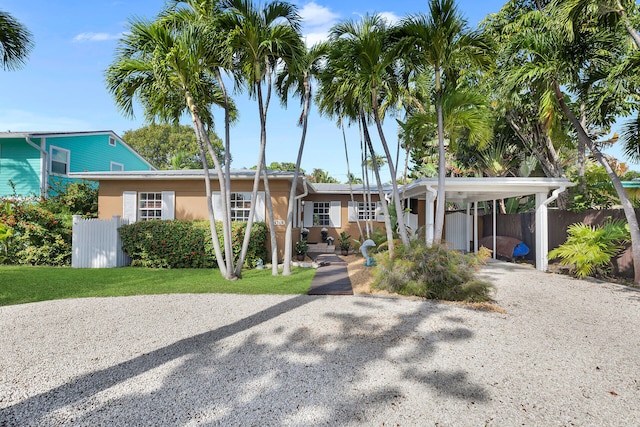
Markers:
522,226
96,243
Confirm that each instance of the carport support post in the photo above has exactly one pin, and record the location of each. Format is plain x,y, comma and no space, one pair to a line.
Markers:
542,233
475,227
495,231
430,215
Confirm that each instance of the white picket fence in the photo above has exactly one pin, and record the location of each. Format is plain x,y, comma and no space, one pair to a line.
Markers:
96,243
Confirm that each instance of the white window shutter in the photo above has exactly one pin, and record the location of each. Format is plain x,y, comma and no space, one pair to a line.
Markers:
168,205
216,201
379,212
308,214
130,206
335,214
352,212
260,215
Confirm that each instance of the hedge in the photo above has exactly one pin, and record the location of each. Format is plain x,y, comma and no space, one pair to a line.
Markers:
187,244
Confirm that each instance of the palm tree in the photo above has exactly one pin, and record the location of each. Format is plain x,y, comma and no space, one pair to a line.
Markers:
560,64
15,42
367,51
168,71
441,43
262,39
296,76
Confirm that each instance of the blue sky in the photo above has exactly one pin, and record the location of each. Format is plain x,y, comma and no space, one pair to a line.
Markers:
62,86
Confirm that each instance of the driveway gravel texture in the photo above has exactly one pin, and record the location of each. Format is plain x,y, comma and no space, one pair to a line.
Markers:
567,352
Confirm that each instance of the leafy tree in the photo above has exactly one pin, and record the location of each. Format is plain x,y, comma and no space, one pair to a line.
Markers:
160,143
15,42
320,176
352,179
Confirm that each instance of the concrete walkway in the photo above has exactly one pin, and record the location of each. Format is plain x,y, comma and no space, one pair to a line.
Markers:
331,277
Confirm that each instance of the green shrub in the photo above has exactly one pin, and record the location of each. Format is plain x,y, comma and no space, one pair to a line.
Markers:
589,249
186,244
73,197
434,272
38,237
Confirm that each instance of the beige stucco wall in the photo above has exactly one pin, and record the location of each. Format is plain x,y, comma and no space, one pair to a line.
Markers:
190,199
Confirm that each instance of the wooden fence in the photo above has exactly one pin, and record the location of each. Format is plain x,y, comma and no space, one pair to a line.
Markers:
96,243
522,226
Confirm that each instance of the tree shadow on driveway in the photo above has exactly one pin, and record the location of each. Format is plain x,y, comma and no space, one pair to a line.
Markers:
339,362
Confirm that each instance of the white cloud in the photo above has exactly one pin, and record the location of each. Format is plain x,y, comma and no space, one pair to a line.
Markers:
96,37
315,15
317,21
391,17
24,121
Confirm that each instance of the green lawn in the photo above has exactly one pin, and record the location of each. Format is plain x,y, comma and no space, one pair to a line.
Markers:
22,284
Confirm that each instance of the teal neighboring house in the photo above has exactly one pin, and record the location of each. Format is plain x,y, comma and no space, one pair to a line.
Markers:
36,161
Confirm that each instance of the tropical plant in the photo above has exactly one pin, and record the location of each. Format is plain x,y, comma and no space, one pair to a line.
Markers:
433,272
15,42
345,241
442,44
589,249
173,68
302,247
262,40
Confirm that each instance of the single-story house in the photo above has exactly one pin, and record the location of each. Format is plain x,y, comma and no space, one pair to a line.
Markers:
32,161
180,194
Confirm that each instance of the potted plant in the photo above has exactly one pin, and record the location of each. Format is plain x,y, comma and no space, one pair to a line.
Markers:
301,249
345,243
324,233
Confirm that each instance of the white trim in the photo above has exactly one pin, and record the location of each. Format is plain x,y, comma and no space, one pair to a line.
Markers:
112,164
168,204
130,205
68,163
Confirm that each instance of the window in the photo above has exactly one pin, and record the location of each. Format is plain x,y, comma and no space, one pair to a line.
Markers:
321,213
240,206
367,211
149,206
117,167
59,161
112,141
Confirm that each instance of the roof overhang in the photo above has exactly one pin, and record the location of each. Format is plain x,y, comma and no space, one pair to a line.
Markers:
483,189
166,175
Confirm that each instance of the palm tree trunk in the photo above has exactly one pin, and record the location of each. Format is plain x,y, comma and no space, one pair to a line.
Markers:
200,136
272,226
353,202
365,179
627,206
256,183
226,194
294,183
440,201
383,201
402,229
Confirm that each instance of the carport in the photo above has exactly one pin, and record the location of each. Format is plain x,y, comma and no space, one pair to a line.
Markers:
468,192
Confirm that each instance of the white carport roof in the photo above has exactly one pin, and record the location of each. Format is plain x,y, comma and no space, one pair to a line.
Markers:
473,190
482,189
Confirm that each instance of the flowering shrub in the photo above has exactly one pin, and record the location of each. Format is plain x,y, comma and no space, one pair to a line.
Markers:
186,244
38,237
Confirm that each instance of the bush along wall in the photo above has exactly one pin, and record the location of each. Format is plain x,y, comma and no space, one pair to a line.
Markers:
186,244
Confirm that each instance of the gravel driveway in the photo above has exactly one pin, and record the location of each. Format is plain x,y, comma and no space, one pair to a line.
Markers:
567,352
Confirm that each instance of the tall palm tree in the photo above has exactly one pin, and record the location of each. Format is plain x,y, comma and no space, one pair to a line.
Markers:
367,50
262,38
210,15
15,42
441,43
168,71
296,77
